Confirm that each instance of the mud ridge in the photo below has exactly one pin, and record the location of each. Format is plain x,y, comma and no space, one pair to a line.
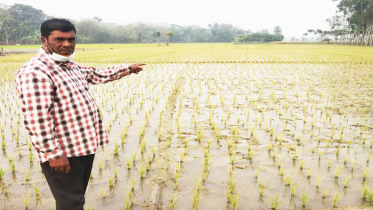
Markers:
162,162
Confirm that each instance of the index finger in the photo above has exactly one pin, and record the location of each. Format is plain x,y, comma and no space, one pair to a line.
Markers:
67,169
141,64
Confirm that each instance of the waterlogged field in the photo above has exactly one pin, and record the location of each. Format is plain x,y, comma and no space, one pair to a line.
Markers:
214,126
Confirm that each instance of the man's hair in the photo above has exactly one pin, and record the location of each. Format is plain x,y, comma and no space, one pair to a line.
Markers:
54,24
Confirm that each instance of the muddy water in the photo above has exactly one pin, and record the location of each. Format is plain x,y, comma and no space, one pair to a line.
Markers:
285,115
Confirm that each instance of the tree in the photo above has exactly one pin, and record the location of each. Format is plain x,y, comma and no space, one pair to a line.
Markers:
158,35
170,34
4,14
320,33
335,24
277,30
304,37
81,39
32,38
18,21
262,36
89,28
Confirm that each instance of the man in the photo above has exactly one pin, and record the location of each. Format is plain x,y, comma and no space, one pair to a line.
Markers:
60,114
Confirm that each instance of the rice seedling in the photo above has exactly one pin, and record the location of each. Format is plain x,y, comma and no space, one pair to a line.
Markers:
293,189
172,201
200,134
256,173
116,148
251,154
345,182
325,191
288,180
357,148
232,159
142,146
142,172
115,172
31,157
279,163
129,200
100,164
229,143
36,189
275,203
235,201
309,172
304,199
27,174
353,165
134,157
4,189
365,192
330,162
231,188
12,166
218,135
301,163
318,181
129,163
3,144
2,172
111,181
337,171
261,189
133,183
337,151
25,200
295,155
335,199
370,199
11,158
365,174
103,194
349,143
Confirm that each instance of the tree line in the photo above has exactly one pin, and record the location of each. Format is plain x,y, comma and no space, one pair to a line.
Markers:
352,24
262,36
20,24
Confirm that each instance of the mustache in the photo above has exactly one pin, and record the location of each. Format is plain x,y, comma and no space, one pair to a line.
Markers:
65,49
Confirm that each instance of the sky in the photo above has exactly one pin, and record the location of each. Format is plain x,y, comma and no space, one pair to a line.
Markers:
294,16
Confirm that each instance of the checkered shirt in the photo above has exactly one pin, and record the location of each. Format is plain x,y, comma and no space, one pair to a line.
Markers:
60,113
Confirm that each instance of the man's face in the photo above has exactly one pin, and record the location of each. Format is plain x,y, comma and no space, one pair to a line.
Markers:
62,43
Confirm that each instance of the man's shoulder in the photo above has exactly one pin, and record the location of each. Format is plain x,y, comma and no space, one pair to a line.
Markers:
35,65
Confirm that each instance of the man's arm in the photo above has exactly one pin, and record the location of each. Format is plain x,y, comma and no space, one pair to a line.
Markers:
37,95
97,76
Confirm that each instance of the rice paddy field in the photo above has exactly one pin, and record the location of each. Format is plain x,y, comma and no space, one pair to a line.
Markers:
213,126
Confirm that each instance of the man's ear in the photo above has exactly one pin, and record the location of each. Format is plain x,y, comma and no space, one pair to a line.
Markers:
43,40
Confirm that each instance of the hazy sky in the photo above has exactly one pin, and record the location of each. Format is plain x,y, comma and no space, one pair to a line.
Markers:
294,16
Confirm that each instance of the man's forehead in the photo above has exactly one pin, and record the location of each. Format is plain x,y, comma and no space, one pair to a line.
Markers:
58,33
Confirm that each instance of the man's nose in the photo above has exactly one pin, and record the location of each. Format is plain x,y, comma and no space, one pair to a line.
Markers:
66,43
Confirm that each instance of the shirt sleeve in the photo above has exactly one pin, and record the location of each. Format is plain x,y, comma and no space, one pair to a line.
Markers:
37,95
98,76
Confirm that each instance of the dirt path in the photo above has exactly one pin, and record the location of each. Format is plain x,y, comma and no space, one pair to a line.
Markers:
162,162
